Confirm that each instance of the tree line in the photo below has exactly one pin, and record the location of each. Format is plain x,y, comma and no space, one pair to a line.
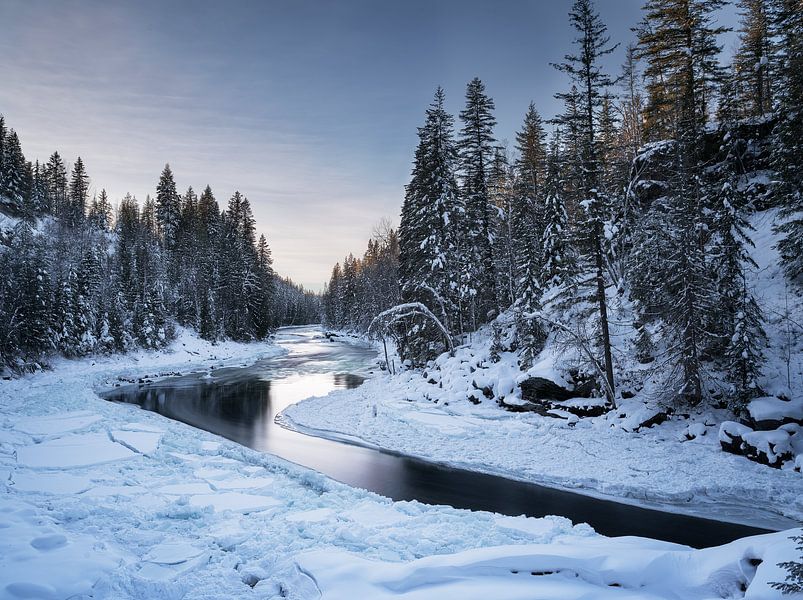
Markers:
641,193
78,277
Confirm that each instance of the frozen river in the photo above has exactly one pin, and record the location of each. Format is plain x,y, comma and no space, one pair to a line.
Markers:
242,403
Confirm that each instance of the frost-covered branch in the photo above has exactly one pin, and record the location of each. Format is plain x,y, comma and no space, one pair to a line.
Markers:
409,309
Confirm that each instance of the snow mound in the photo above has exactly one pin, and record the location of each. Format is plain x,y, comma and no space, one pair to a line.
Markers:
569,569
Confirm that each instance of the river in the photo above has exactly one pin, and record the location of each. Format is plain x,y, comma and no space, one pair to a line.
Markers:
241,404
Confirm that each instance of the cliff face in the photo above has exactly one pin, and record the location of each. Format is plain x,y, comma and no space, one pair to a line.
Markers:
745,149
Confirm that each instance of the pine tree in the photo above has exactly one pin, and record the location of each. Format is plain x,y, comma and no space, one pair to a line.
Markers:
78,194
56,178
476,147
429,234
679,42
12,185
752,58
558,262
788,133
100,212
168,208
586,72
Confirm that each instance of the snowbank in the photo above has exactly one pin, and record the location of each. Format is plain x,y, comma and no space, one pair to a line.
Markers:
105,500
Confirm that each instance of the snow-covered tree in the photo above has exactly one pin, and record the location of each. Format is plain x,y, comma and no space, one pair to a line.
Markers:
476,148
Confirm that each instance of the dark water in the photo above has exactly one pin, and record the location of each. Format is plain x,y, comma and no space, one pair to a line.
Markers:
241,404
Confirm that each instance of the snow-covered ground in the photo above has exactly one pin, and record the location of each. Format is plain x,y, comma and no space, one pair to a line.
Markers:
102,500
677,465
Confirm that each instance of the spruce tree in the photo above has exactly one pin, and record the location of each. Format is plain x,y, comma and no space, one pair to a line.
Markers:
558,261
37,201
13,184
100,212
476,148
77,194
56,178
429,232
586,72
788,134
741,319
168,208
753,56
678,40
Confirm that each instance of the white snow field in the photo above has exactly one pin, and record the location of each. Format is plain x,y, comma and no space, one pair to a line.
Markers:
677,465
103,500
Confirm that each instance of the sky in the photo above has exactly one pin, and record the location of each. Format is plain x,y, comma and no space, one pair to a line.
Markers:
308,108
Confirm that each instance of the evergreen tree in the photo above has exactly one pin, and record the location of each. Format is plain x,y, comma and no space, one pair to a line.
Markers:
527,214
501,189
78,193
28,311
36,203
429,267
168,208
3,134
476,148
741,320
85,303
56,183
333,312
585,70
788,133
528,223
100,212
262,298
679,42
13,184
558,264
752,58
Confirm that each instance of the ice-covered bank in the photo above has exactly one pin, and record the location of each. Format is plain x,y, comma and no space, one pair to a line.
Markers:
101,500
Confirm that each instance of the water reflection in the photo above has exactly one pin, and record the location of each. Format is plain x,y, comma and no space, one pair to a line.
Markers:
242,403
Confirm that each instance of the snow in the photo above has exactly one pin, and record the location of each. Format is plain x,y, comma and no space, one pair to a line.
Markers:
568,568
443,415
56,424
602,456
70,451
774,409
144,442
181,513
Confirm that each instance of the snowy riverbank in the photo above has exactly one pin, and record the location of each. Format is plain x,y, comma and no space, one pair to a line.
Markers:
654,467
450,414
104,500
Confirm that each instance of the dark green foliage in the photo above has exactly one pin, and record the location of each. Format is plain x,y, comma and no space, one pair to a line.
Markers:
476,148
432,266
77,194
